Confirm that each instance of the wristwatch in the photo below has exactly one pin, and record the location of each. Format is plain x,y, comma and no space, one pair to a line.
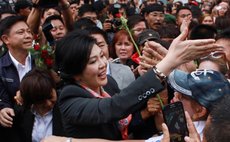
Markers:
159,74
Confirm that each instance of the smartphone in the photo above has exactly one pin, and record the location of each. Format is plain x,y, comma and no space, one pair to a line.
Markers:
174,118
48,3
46,30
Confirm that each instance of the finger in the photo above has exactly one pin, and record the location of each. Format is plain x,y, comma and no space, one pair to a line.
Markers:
188,139
151,105
152,110
153,45
150,61
182,36
153,98
7,116
202,51
155,54
146,53
162,51
191,127
213,47
166,136
199,42
6,123
144,65
3,124
11,112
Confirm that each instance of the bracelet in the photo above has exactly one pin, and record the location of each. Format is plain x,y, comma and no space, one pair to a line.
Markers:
35,5
69,140
65,6
159,74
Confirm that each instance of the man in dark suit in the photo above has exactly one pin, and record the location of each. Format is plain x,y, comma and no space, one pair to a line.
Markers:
16,35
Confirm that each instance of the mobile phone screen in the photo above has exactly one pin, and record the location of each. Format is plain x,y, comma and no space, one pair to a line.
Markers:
175,120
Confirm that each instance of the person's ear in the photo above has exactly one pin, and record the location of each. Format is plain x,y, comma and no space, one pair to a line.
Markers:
200,113
146,16
5,39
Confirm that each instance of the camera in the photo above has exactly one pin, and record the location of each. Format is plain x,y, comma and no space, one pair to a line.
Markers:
46,30
114,22
48,3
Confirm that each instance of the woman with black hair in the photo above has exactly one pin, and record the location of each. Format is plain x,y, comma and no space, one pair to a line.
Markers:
88,110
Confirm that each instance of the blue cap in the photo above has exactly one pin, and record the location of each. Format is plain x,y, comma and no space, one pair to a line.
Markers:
204,86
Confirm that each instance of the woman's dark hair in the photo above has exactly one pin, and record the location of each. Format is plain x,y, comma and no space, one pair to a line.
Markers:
72,54
36,87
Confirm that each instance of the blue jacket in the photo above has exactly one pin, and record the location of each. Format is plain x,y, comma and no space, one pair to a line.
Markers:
9,81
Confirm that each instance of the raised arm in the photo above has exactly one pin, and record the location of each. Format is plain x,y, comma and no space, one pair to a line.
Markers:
67,15
34,19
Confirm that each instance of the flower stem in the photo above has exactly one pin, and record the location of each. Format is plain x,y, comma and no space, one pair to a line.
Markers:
159,98
134,43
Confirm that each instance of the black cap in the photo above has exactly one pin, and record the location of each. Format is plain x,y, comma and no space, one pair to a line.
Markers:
146,35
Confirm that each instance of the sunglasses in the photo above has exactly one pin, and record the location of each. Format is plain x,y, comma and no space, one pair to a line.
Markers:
218,57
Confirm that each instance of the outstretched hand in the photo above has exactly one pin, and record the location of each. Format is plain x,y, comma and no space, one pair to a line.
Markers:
182,51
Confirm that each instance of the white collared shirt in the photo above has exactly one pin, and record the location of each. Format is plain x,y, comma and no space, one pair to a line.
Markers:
22,69
43,126
108,72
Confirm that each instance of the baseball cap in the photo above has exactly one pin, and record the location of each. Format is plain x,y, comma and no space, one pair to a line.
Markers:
147,34
204,86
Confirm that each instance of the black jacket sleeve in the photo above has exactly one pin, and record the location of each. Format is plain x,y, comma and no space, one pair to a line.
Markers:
79,107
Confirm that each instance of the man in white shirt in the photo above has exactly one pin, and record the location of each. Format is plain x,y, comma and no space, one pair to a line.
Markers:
17,37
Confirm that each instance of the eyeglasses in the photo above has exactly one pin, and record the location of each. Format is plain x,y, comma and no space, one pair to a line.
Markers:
218,57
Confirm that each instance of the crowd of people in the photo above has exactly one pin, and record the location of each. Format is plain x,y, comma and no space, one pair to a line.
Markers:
85,70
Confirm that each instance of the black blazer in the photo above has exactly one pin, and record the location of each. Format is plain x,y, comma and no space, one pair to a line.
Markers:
85,116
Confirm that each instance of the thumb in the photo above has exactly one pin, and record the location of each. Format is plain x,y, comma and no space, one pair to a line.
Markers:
183,35
166,136
11,112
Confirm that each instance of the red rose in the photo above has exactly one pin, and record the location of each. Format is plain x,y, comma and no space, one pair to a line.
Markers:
135,58
44,53
36,47
49,62
118,15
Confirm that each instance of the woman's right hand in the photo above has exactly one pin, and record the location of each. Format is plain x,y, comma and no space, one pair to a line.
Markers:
182,51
